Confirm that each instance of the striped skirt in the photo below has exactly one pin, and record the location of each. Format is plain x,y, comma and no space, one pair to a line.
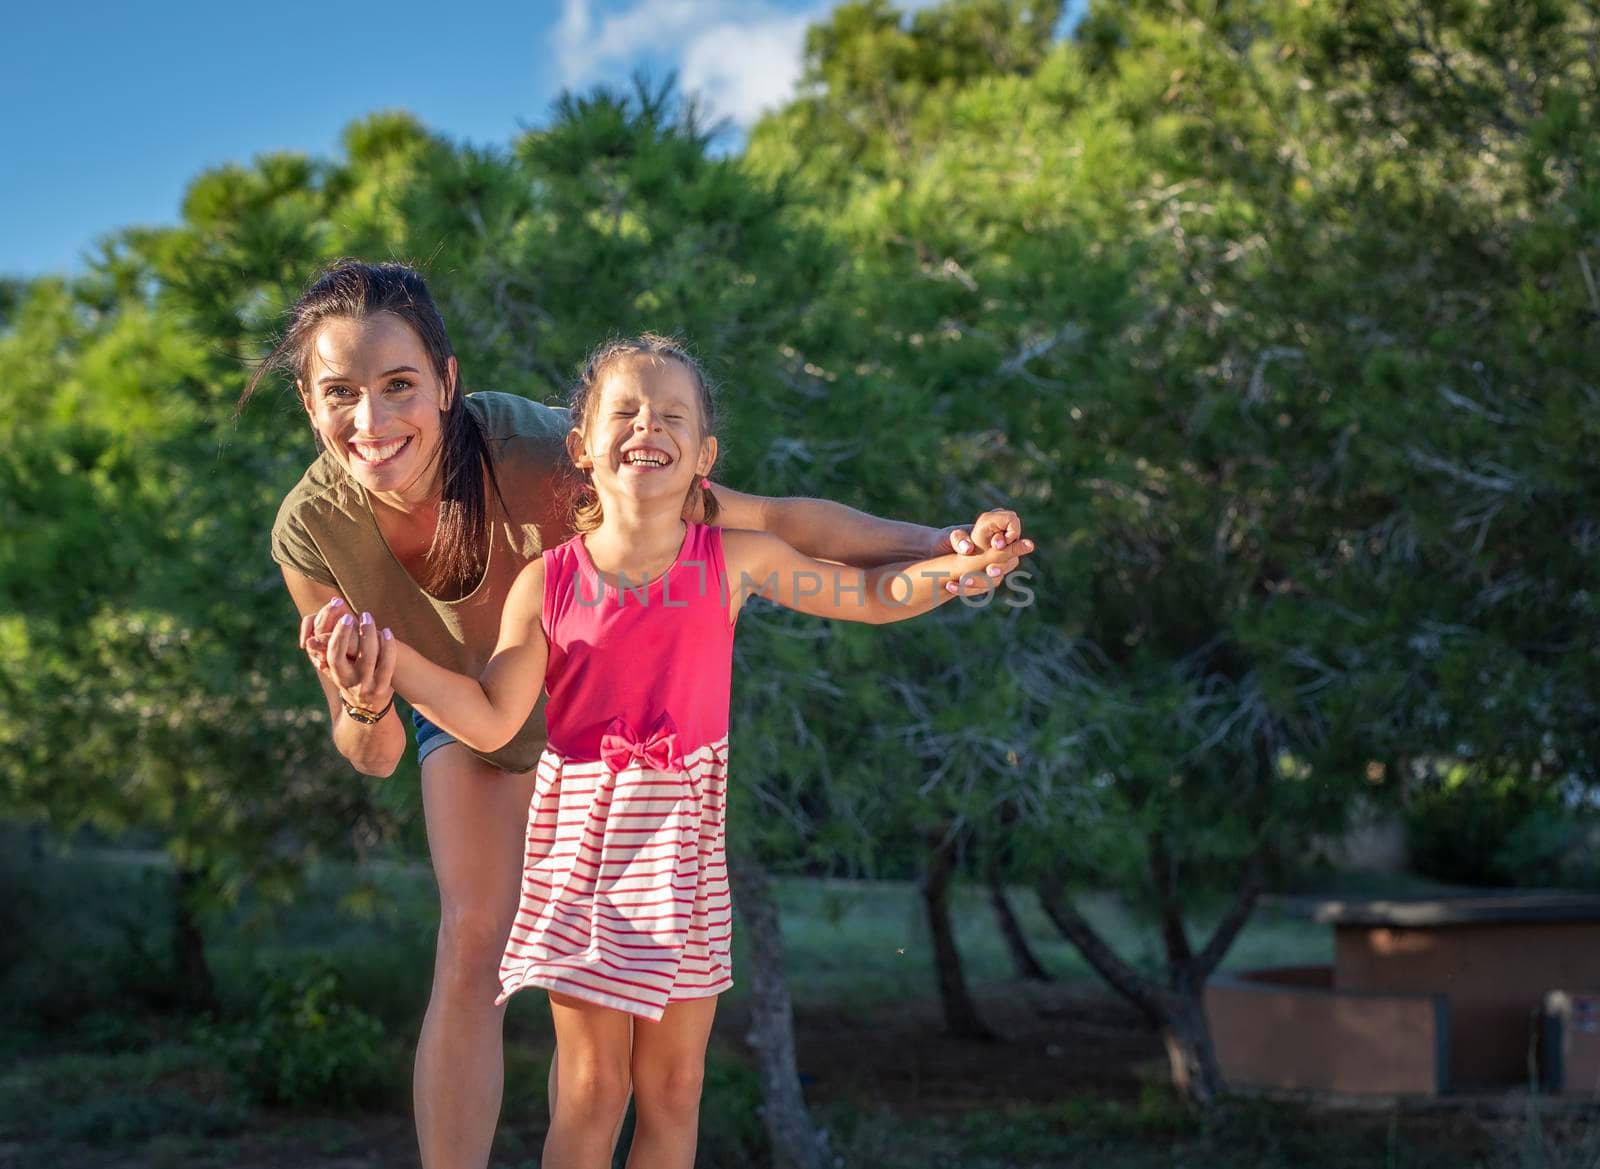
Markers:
625,896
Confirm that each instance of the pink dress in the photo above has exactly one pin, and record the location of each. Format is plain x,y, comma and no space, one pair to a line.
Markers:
625,896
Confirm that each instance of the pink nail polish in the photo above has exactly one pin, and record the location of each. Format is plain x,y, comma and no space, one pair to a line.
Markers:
347,619
388,635
366,618
336,602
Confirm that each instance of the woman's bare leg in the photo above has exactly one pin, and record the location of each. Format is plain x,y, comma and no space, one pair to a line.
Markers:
669,1067
477,819
591,1081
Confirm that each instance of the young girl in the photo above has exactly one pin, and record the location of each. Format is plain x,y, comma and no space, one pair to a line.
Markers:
625,915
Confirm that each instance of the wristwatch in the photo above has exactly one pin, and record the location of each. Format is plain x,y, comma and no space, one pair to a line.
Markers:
365,717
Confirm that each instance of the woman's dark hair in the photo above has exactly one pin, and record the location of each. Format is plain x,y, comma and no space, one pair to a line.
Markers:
585,399
353,290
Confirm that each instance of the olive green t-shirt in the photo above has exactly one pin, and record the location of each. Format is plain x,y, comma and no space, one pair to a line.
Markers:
325,530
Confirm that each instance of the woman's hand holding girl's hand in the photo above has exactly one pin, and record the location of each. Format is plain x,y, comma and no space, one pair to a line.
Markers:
992,532
351,653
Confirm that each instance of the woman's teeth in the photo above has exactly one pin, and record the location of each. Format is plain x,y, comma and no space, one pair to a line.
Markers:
378,452
645,459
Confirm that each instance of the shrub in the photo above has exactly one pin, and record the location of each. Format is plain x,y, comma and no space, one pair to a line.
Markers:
1469,828
732,1135
309,1046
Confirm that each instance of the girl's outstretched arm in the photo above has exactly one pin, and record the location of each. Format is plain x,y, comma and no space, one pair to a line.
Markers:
486,712
761,564
831,531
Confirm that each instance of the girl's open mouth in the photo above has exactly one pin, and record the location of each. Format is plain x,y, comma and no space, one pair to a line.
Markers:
646,459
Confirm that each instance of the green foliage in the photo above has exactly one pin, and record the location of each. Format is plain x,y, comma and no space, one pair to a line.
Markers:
1158,1112
731,1130
1287,371
1470,828
115,1100
1275,322
86,945
309,1046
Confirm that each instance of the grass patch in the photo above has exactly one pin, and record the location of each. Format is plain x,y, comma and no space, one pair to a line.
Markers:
118,1099
861,944
101,1073
1159,1134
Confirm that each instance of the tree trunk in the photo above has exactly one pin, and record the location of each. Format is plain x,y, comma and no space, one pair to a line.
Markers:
195,986
1190,1051
1023,959
961,1016
797,1143
1177,1008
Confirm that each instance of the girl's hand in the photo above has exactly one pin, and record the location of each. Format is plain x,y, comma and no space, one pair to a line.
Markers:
993,531
358,660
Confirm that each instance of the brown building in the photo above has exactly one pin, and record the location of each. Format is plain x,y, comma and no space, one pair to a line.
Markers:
1424,996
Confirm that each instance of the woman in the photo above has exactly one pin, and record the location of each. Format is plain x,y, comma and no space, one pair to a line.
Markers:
423,506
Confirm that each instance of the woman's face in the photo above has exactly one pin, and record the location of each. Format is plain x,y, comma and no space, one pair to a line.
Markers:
375,400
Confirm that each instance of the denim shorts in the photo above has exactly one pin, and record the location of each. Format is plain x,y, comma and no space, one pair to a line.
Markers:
429,737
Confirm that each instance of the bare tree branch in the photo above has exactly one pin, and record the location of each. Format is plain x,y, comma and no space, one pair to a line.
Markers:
1015,363
1238,912
1121,977
1257,392
1164,875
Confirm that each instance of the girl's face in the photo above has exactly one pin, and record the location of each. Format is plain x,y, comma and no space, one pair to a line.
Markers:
644,439
375,401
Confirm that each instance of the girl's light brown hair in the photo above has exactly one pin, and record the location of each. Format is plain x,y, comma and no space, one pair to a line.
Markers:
354,290
584,399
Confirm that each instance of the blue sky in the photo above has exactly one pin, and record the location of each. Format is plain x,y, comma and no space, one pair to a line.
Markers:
108,110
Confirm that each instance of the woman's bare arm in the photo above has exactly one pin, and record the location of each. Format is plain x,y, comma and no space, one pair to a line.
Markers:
372,750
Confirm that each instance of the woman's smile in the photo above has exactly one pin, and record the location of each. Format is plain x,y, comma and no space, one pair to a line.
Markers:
375,453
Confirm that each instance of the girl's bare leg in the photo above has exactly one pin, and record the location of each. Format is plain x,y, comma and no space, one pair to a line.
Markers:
591,1083
669,1065
550,1087
477,818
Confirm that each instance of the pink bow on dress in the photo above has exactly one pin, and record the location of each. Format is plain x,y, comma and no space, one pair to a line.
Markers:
621,748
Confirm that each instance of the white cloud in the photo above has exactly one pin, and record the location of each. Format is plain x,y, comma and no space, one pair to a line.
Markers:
743,70
573,31
741,57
